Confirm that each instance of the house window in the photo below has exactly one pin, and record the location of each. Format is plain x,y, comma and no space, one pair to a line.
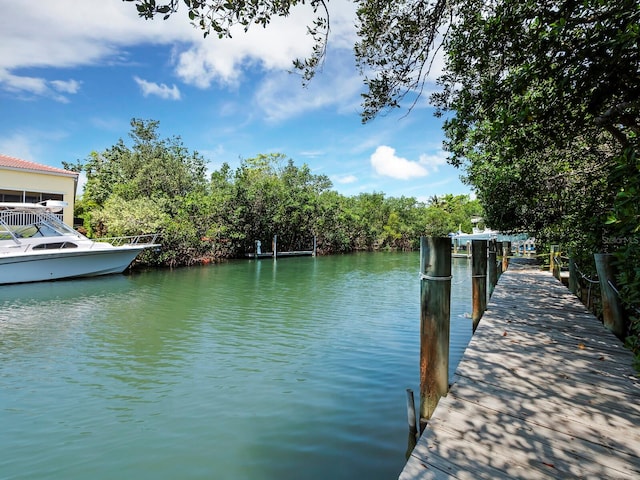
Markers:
10,196
27,197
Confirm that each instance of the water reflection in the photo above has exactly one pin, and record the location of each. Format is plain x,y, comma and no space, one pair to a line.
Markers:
251,369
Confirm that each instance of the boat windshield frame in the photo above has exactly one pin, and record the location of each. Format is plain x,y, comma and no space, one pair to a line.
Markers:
15,218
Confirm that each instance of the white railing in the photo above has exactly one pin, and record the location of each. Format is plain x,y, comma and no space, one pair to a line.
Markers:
146,239
25,218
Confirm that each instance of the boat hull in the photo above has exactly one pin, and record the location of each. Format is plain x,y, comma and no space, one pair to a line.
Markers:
61,264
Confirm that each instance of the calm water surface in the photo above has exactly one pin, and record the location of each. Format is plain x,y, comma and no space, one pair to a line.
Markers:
294,369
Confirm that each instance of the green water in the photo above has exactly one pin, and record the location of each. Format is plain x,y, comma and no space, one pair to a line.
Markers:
263,370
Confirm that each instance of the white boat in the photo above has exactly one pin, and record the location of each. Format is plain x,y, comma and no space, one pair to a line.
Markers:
36,245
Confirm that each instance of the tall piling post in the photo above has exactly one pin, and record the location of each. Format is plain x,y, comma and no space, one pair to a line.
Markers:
612,311
556,270
506,251
435,309
552,255
478,280
274,244
573,276
492,267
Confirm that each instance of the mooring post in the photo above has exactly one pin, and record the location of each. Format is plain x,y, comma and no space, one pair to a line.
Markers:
413,429
478,280
274,246
411,411
573,275
492,267
315,245
555,266
435,308
612,312
552,255
506,251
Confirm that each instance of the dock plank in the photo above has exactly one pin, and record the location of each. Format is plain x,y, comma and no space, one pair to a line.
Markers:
543,391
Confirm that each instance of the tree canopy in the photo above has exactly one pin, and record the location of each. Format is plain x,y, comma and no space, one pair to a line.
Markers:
157,185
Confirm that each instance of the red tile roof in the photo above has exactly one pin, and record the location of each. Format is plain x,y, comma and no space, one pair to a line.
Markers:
17,164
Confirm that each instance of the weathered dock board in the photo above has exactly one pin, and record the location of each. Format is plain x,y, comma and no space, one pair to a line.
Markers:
542,391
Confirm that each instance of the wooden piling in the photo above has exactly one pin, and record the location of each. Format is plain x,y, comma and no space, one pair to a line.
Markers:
478,280
491,266
573,276
435,308
315,245
555,256
552,254
506,251
412,440
411,411
612,311
274,246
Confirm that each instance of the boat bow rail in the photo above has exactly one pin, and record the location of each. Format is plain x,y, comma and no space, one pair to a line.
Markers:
148,240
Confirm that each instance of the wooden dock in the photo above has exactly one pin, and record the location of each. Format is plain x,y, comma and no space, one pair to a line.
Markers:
542,391
295,253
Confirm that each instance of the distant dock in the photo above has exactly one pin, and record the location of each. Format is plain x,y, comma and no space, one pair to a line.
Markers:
297,253
258,254
543,390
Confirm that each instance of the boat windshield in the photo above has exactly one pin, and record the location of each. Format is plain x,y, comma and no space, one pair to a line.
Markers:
31,224
41,229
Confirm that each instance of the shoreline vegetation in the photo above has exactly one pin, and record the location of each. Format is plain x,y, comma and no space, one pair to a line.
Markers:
158,186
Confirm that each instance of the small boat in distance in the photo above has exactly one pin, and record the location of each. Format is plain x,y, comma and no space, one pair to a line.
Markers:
36,245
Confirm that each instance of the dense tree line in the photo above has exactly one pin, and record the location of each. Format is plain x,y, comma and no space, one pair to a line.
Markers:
158,185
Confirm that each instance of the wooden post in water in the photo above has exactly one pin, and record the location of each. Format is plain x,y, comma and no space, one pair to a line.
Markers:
315,245
478,280
413,429
274,244
612,312
506,251
411,411
492,267
435,308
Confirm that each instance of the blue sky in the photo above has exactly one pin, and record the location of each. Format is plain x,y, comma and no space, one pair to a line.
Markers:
73,73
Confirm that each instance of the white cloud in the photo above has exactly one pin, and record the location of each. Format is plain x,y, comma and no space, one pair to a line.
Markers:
345,179
434,161
385,162
78,33
33,145
203,62
311,153
40,87
160,90
18,145
15,83
281,95
66,86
